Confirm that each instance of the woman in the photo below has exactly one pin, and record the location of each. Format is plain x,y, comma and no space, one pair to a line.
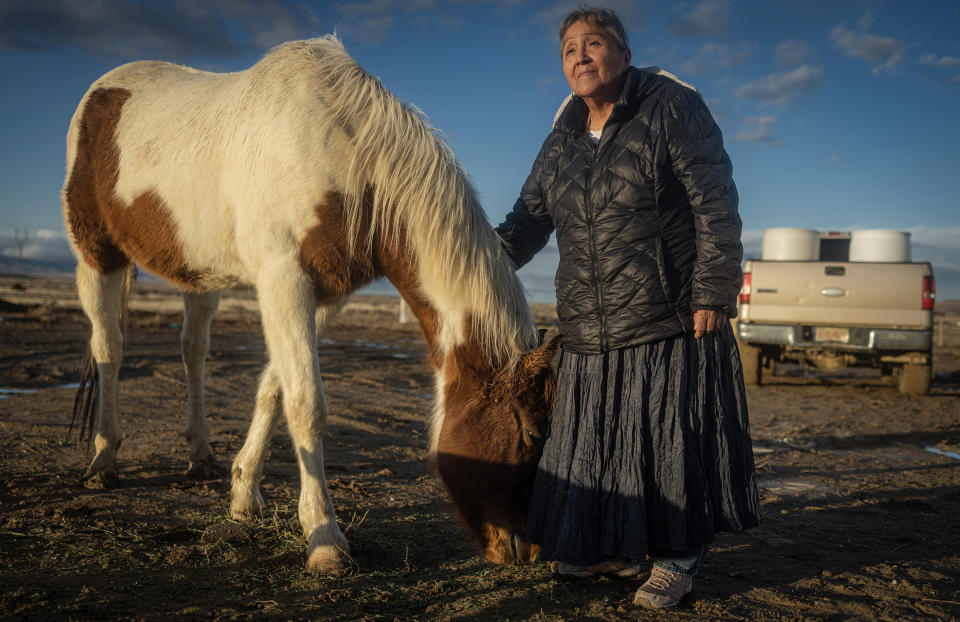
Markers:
649,452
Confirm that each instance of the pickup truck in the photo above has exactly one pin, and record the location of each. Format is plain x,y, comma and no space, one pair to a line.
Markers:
832,313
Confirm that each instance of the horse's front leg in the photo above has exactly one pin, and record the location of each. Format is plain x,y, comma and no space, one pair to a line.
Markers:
287,306
198,310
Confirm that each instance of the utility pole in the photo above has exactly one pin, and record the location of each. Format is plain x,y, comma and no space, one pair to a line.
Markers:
20,236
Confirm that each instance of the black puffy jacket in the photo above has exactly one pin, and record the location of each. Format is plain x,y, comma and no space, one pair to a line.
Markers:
646,221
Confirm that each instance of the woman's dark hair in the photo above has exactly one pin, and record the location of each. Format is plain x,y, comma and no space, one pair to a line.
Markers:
604,18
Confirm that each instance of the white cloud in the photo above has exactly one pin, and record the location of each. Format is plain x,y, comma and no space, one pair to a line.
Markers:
713,57
941,247
363,8
955,80
943,61
269,22
370,30
752,241
946,237
885,53
758,130
553,15
867,19
792,52
707,19
51,234
43,245
717,109
369,21
778,88
219,28
628,11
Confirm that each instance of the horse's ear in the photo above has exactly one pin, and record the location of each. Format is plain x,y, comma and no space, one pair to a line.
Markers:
539,358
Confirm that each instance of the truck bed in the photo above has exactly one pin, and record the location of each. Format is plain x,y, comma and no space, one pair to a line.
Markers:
848,294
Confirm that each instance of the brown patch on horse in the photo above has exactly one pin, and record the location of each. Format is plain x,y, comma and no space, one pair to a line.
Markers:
326,258
146,232
108,232
325,255
93,178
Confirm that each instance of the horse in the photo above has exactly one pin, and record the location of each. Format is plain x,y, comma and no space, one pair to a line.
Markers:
305,178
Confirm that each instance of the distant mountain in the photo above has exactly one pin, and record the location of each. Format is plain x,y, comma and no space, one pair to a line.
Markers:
537,276
38,266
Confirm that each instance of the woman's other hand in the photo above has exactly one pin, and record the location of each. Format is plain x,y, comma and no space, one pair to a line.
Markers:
706,321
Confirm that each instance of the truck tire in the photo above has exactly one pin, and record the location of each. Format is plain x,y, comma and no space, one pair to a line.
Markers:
915,379
769,366
750,361
889,373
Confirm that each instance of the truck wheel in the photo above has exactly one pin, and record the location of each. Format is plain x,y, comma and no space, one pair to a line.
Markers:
915,379
890,374
769,366
750,361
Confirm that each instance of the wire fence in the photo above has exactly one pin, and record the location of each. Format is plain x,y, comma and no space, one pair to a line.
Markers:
946,330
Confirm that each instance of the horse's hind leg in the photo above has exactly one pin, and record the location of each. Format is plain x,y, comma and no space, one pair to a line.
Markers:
287,306
245,499
198,310
101,296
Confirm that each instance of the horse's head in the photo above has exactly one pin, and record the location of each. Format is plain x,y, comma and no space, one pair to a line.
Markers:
489,444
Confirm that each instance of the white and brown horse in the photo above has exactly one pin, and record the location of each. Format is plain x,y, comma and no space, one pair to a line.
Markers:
305,178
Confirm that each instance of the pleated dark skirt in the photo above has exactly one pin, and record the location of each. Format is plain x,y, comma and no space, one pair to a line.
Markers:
649,450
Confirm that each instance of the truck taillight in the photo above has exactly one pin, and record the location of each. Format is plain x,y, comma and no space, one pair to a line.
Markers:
929,293
745,290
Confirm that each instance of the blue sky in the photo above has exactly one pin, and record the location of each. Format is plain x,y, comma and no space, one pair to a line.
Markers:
837,115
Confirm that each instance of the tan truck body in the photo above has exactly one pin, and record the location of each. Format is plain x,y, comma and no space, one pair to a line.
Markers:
883,295
838,314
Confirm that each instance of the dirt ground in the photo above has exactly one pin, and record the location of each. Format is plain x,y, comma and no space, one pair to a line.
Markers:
860,486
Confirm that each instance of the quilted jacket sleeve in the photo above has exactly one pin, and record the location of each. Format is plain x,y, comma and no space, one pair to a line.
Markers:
527,228
703,167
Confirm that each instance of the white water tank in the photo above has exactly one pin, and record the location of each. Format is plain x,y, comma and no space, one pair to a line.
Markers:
880,245
789,244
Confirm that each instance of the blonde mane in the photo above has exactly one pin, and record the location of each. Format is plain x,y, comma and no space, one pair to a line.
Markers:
417,187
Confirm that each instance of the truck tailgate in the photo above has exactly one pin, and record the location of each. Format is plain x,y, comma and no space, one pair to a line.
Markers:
887,295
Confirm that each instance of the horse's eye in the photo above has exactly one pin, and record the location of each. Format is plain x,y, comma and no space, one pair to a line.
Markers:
532,435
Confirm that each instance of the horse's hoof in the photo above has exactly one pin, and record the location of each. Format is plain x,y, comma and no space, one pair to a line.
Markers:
330,560
206,468
244,514
246,508
101,480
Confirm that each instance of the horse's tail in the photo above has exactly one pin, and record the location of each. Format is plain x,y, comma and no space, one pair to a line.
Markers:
85,400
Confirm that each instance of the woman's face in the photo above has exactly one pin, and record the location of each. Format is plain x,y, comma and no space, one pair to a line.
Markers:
592,61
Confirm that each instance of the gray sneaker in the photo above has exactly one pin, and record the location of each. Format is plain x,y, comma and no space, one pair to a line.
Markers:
663,589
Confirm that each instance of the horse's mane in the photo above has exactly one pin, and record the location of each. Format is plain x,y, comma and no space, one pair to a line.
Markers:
417,187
